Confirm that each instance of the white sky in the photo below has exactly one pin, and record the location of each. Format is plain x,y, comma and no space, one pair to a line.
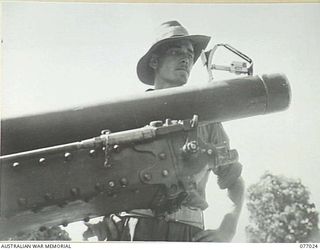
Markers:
71,54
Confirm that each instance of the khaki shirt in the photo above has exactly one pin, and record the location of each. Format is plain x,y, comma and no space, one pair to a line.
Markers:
212,133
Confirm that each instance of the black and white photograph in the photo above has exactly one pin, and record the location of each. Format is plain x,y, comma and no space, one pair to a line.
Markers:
162,122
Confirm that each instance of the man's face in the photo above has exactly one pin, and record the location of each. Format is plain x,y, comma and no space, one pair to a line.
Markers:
174,65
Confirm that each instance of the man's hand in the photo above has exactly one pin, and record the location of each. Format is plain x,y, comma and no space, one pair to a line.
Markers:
228,226
224,233
104,230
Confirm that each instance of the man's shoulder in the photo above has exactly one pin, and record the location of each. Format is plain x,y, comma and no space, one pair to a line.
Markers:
212,132
210,126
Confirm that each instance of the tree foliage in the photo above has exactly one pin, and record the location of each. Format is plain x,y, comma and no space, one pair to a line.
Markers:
280,211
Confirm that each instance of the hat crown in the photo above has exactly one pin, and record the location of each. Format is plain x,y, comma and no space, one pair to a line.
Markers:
170,29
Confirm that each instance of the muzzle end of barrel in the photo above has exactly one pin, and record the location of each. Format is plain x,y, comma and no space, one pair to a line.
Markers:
278,92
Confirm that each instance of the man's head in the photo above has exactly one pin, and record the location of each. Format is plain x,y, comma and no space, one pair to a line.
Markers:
170,59
172,64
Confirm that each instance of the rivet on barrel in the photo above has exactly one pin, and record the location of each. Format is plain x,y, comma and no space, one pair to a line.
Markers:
92,153
16,164
67,156
124,182
42,161
116,148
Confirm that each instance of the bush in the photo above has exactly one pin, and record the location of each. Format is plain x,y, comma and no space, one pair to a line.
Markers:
280,211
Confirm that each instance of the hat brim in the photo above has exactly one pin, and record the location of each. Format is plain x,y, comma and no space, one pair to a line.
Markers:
146,73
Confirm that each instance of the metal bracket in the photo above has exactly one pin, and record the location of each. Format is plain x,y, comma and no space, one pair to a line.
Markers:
235,66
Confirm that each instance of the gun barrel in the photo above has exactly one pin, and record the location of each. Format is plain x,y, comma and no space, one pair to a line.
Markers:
215,102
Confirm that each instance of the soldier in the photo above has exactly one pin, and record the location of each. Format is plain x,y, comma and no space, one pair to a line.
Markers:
168,64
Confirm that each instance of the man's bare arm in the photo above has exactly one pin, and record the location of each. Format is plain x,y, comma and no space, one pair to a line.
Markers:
228,226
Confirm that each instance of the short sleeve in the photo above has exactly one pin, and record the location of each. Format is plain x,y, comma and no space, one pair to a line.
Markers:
214,133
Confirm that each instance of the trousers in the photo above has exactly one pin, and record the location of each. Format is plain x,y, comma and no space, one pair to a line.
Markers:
157,229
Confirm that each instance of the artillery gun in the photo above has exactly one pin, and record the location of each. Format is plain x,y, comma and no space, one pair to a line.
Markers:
138,152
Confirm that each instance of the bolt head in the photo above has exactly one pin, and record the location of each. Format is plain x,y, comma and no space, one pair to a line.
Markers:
67,156
210,151
15,164
92,153
162,156
165,173
123,182
42,161
111,184
116,148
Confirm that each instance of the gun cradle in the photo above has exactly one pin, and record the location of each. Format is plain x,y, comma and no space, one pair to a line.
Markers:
99,176
135,168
